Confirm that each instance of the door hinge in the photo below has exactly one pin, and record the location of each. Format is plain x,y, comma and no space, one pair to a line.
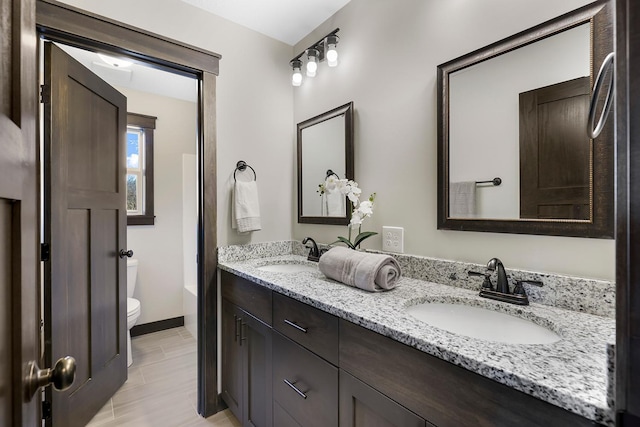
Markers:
45,94
45,252
46,410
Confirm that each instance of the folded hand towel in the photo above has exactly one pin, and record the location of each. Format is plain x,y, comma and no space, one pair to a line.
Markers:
371,272
246,206
462,199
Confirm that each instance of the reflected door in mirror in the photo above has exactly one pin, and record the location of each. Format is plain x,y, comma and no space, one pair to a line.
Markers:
555,152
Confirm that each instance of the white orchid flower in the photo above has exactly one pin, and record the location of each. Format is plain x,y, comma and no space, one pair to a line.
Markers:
366,208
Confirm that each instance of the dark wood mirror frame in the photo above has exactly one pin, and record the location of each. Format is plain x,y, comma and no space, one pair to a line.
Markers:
601,225
347,111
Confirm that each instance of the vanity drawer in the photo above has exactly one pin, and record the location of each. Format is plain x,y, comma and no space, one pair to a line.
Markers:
311,397
308,326
251,297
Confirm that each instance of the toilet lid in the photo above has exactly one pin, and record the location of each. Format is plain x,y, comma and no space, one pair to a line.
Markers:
133,306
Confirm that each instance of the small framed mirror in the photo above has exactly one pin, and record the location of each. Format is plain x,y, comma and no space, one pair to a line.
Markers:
513,149
325,153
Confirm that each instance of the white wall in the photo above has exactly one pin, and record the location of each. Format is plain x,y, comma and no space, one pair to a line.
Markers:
159,247
254,104
388,60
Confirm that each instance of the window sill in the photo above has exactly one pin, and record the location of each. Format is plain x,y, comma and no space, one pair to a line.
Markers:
141,220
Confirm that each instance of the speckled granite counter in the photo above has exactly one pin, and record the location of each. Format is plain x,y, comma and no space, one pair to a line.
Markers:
571,373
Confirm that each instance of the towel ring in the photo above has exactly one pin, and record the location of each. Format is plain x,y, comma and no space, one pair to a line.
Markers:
597,87
330,173
242,166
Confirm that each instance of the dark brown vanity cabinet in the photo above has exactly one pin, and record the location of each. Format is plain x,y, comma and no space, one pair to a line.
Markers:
287,364
246,352
304,385
364,406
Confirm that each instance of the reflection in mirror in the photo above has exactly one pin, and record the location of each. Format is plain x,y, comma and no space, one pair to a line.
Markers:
325,154
492,91
518,110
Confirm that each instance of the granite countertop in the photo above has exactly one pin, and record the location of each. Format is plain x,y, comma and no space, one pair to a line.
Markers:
572,373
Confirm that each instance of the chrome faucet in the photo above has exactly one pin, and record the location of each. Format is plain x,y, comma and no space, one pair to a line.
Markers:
314,253
501,292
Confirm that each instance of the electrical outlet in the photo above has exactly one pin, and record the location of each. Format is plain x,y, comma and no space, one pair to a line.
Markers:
393,239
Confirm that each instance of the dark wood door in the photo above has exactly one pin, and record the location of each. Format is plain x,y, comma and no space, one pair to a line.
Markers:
555,152
627,119
232,358
363,406
85,225
19,310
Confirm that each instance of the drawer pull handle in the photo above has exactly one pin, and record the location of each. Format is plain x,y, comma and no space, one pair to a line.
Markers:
236,331
298,327
296,389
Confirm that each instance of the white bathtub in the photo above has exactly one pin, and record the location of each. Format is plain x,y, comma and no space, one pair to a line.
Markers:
190,309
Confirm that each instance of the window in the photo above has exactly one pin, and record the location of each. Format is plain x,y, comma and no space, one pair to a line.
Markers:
140,169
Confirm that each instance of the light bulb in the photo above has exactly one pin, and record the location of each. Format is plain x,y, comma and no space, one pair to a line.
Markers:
312,67
332,56
296,78
312,62
331,53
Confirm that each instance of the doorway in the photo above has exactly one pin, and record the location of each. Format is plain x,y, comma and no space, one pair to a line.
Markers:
163,245
65,24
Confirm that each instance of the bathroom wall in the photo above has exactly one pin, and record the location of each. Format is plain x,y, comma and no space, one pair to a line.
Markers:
254,104
388,60
159,247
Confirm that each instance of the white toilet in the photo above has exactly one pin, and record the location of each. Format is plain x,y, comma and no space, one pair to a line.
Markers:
133,305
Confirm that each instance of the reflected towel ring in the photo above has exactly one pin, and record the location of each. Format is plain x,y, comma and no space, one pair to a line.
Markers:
330,173
242,166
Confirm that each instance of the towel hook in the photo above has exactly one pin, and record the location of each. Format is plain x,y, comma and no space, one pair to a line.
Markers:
242,166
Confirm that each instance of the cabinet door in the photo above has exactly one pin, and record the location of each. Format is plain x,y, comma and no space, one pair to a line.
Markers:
232,358
255,340
363,406
305,385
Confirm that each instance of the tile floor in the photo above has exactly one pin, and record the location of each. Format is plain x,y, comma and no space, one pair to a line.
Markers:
161,389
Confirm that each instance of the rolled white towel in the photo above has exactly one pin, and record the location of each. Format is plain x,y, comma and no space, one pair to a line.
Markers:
371,272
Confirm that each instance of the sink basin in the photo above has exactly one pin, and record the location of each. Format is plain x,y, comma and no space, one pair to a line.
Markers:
288,268
482,323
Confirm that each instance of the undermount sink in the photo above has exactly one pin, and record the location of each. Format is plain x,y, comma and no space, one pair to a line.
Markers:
288,268
482,323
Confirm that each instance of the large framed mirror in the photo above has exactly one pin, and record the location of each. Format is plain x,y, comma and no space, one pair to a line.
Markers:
513,149
325,153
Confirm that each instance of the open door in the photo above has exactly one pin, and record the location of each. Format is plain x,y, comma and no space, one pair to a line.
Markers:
85,296
19,313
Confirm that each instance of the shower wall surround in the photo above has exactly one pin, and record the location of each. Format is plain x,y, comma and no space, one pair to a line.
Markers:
572,293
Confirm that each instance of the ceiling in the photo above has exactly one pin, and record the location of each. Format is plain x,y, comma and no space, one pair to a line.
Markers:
286,20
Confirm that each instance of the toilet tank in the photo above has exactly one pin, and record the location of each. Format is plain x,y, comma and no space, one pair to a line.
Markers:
132,275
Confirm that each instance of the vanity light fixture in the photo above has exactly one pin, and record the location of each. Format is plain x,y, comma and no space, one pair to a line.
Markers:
325,48
296,77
